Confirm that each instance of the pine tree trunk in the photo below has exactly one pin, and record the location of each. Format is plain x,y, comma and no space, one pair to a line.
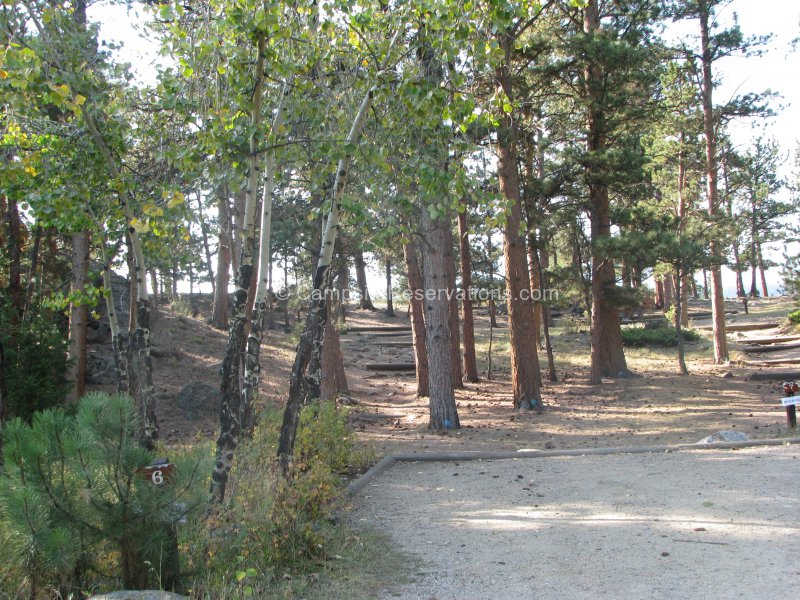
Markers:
230,411
492,305
524,359
415,287
607,354
536,290
678,324
78,316
761,270
389,303
753,249
219,318
334,378
660,293
467,319
452,306
441,401
364,302
669,291
717,297
551,364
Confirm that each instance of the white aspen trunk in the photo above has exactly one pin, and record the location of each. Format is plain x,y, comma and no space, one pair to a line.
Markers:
252,365
230,423
140,375
308,356
120,356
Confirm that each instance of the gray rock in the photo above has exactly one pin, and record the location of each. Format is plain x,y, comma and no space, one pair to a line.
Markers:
725,436
199,400
139,595
100,369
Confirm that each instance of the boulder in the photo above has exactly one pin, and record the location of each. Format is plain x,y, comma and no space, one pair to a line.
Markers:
100,369
725,436
199,400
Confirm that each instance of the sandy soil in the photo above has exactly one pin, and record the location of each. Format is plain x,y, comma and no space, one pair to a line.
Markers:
710,524
656,406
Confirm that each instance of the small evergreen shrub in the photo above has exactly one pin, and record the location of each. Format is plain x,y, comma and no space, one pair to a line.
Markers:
74,504
35,363
794,317
637,337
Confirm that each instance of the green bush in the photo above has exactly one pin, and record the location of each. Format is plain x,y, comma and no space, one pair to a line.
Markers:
73,504
637,337
794,317
274,522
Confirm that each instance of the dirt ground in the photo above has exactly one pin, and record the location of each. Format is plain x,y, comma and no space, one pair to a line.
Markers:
715,524
656,406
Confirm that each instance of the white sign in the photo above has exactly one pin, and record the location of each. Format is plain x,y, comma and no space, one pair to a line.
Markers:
790,400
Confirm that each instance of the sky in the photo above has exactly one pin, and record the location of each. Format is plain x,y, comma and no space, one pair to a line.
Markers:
778,70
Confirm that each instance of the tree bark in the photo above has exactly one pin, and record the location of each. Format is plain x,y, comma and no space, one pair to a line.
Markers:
679,323
389,302
492,305
761,270
441,400
117,341
252,362
230,411
717,297
607,354
219,317
452,307
334,378
536,290
364,301
78,316
415,287
467,319
524,359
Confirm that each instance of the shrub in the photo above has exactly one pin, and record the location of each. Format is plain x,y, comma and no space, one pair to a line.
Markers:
638,337
35,364
794,317
74,505
273,522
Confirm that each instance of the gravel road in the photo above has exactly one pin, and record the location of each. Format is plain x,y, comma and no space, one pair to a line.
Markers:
690,524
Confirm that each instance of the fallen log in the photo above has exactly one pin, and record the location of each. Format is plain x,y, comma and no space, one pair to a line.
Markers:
746,326
376,329
775,376
773,348
771,363
390,366
772,340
